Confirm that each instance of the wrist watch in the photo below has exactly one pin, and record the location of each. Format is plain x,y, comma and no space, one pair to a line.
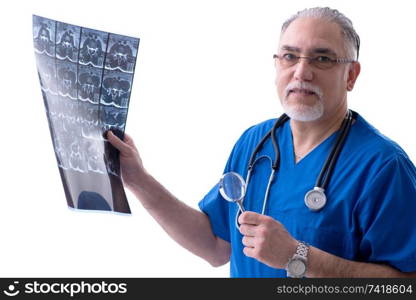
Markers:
296,267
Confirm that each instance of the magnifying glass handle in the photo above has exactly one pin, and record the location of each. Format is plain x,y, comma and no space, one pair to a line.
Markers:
240,204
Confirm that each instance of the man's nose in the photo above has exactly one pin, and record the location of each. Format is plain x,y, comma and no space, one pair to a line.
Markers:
303,70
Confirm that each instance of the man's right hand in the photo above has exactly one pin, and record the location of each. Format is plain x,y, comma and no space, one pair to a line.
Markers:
131,163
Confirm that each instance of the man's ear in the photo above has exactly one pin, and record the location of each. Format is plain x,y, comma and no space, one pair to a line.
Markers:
353,73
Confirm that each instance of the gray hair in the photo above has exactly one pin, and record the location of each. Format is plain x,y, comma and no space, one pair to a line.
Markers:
352,40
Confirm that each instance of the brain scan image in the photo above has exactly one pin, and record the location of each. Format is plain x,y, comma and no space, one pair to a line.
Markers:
44,36
47,74
116,89
67,79
89,83
77,157
90,128
121,53
93,45
95,156
113,117
67,41
61,152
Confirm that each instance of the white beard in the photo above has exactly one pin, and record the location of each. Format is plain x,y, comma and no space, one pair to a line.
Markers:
303,113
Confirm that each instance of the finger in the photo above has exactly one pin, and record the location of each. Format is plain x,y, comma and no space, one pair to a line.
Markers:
249,217
249,251
247,230
117,143
248,241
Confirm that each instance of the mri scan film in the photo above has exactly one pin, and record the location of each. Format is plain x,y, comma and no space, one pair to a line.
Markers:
86,79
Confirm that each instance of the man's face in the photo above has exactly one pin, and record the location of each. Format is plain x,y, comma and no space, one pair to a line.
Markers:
312,37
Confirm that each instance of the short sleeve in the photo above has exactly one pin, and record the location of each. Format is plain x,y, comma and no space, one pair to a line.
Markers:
216,208
387,215
213,204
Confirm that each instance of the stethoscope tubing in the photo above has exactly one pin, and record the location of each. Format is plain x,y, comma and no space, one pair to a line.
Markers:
326,171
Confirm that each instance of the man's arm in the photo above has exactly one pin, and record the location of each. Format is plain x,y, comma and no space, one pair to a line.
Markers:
324,264
266,240
187,226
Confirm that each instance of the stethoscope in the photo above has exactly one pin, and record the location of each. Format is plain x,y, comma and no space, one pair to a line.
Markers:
233,187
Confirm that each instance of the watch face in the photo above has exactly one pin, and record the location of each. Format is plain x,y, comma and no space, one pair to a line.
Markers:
297,268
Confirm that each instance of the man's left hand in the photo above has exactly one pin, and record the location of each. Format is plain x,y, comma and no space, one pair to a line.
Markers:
266,239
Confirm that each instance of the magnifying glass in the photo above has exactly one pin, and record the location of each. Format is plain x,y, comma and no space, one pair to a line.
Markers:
233,188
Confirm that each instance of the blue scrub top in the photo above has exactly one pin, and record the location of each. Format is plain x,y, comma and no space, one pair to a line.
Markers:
370,214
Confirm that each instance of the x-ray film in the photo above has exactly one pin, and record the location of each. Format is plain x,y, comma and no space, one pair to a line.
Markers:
86,79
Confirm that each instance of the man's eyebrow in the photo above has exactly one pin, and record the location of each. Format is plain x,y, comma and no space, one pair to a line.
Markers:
319,50
290,48
323,51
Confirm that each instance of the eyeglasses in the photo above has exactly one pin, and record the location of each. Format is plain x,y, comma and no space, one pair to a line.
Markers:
320,61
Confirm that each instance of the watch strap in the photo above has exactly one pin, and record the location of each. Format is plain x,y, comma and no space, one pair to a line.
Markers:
302,249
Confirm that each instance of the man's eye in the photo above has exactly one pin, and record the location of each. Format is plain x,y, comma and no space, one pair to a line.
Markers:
323,59
289,56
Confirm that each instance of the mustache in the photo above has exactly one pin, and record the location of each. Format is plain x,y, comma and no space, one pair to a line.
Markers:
302,85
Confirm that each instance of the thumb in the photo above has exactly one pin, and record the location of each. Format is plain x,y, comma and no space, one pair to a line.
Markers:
117,142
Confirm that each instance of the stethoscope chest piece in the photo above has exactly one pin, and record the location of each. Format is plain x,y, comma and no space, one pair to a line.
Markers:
315,199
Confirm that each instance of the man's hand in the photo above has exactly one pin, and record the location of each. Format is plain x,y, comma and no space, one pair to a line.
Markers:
266,240
130,161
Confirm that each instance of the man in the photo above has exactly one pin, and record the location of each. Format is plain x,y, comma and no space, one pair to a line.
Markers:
366,228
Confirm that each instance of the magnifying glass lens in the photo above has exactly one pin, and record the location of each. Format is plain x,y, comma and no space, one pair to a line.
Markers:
232,187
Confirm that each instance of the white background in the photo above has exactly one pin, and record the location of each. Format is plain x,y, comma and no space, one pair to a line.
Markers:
204,73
